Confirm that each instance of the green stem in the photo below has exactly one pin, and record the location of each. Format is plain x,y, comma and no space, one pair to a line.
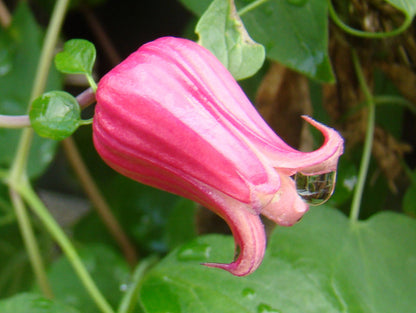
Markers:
31,244
129,301
57,233
251,6
91,82
18,176
360,33
48,49
368,142
19,165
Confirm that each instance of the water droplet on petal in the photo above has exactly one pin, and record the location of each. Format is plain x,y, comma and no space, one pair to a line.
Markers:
298,3
194,252
265,308
315,189
248,293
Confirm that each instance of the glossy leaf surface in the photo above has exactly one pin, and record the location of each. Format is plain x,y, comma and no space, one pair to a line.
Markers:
222,32
323,264
55,115
78,57
294,33
408,7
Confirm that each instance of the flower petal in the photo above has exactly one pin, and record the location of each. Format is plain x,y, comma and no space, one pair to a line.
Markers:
322,160
250,241
175,125
287,207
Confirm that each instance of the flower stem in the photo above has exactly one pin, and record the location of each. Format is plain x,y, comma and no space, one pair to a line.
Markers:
31,244
360,33
251,7
57,233
18,174
368,142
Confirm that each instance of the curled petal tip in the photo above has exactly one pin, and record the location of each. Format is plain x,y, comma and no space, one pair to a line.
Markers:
250,242
328,154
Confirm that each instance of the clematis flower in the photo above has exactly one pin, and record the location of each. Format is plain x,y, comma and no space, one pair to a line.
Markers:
172,116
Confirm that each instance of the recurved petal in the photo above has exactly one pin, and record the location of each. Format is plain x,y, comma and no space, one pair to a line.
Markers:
322,160
250,241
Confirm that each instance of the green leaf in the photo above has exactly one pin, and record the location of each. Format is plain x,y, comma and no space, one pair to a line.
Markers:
78,57
108,269
16,87
33,303
294,33
323,264
406,6
221,30
55,115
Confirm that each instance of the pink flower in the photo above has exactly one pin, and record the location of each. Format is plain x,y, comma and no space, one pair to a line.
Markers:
171,116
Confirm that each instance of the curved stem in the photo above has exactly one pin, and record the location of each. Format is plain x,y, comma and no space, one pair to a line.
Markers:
51,38
368,142
360,33
26,191
31,245
98,201
251,7
17,175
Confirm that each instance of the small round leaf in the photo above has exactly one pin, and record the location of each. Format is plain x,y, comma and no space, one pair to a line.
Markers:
78,57
55,115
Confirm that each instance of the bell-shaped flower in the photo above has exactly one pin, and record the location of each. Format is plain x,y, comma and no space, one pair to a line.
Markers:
172,116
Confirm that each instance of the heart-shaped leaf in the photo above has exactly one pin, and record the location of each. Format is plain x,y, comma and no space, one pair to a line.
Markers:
323,264
293,32
221,30
55,115
408,7
78,57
